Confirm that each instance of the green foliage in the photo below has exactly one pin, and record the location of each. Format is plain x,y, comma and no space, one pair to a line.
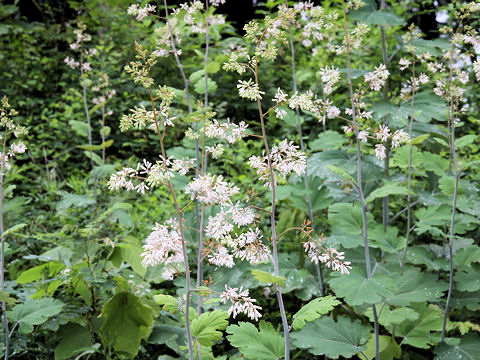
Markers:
417,332
388,348
264,343
357,289
205,328
74,278
387,190
74,340
333,339
313,310
127,321
468,348
268,278
34,312
169,303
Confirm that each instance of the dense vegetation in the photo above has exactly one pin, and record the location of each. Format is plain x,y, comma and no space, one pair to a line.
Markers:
302,185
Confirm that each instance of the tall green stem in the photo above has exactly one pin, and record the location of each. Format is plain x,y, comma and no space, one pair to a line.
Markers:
410,155
386,199
359,178
273,224
2,255
197,148
182,235
198,157
455,195
302,147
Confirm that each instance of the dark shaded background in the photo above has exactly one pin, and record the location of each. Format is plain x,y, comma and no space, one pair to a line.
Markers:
237,11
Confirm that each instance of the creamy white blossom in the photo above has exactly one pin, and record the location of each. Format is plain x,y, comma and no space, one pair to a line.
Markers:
285,159
376,79
241,302
380,151
211,190
249,90
164,245
221,257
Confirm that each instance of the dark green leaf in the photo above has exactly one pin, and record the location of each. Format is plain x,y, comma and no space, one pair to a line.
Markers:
333,339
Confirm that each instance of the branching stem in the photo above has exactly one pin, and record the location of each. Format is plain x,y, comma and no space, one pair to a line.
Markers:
302,147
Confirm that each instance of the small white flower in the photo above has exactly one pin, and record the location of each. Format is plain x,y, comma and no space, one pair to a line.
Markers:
363,136
380,151
249,90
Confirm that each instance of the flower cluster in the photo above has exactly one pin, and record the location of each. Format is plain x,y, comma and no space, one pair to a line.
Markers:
149,174
222,224
316,22
330,257
211,190
376,79
217,2
325,109
227,130
249,90
141,13
329,76
81,37
164,246
7,115
285,158
354,39
383,134
140,70
476,69
221,257
241,302
102,85
141,117
248,246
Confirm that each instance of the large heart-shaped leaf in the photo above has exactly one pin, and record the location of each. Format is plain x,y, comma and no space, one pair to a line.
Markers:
127,321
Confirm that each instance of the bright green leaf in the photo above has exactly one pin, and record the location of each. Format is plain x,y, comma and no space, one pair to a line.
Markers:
314,310
168,302
328,140
206,328
13,229
357,289
343,173
470,280
465,141
401,157
40,272
388,348
212,67
386,190
262,344
267,278
7,299
420,139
